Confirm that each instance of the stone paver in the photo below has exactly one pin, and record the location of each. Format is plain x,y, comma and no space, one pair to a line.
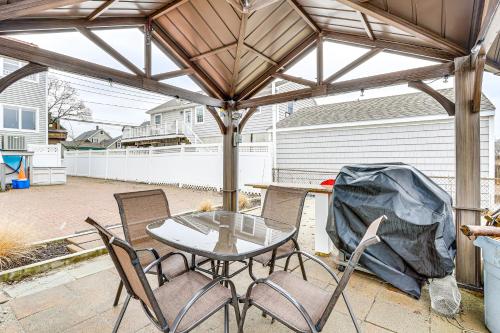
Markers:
83,302
46,212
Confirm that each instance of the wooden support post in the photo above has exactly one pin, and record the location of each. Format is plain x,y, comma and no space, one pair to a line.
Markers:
319,60
468,176
230,163
147,49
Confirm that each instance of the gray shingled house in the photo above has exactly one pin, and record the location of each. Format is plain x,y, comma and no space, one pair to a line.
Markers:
410,128
96,139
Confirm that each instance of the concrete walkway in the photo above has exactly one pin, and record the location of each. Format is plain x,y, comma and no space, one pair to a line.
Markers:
79,299
45,212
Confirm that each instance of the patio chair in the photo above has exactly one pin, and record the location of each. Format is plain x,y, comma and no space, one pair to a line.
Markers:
297,303
137,210
177,306
284,205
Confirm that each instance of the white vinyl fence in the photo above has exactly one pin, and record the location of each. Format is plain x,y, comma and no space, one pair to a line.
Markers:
198,166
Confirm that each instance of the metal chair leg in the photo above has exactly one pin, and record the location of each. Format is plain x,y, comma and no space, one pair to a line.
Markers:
243,316
302,268
120,316
118,293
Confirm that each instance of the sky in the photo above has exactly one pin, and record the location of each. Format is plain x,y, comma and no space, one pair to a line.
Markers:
125,105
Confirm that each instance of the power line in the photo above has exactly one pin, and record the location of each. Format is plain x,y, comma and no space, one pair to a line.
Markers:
117,92
115,105
110,95
100,122
99,82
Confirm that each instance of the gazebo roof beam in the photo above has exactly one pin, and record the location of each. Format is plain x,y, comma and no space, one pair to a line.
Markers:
404,25
390,46
302,13
110,50
260,55
172,74
165,9
366,25
30,53
27,7
168,46
370,82
491,26
102,8
295,79
214,51
295,54
239,52
356,63
52,25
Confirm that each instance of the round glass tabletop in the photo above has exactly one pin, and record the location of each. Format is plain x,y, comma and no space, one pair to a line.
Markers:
221,235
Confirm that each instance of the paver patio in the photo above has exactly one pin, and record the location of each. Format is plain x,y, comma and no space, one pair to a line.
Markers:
79,299
60,210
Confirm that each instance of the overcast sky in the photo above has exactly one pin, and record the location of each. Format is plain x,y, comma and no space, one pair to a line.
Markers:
115,103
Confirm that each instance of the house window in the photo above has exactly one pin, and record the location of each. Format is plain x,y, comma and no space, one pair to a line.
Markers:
157,119
200,114
28,119
289,108
11,65
19,118
188,117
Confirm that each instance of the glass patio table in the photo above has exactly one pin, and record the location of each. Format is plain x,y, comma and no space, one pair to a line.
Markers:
222,236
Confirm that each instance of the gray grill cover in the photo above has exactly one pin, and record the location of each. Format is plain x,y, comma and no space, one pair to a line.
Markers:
419,234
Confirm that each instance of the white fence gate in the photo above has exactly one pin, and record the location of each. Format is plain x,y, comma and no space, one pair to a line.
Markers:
198,166
46,165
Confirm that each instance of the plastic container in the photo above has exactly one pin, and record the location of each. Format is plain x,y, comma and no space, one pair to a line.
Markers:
20,184
491,258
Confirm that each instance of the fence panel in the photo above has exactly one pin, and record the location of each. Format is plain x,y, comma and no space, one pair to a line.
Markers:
198,166
46,155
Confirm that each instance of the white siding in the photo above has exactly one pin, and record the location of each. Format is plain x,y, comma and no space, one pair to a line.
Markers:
429,146
29,94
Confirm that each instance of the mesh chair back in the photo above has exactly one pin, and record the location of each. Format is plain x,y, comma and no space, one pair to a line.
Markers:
284,205
138,209
130,270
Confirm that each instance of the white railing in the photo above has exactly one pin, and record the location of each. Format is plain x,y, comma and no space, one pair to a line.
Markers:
197,166
46,155
168,128
191,135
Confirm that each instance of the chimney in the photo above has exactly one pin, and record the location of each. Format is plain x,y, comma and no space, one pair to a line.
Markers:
97,127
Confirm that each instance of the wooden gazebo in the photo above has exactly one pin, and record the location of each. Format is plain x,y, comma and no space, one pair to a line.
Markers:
233,48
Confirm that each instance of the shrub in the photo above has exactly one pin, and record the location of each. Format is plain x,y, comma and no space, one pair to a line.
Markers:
206,206
243,201
14,246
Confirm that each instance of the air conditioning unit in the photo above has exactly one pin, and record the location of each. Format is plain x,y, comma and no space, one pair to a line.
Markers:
13,142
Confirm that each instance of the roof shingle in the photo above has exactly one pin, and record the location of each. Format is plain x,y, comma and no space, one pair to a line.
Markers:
389,107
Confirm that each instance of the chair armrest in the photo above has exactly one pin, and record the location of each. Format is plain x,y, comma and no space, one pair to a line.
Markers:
197,296
150,250
159,260
316,260
287,296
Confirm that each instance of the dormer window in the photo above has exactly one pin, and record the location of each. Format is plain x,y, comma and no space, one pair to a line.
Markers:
157,119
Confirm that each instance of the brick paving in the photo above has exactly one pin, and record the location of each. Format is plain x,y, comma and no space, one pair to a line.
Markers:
53,211
79,299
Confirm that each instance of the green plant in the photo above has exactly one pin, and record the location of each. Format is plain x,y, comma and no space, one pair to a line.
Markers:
14,246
